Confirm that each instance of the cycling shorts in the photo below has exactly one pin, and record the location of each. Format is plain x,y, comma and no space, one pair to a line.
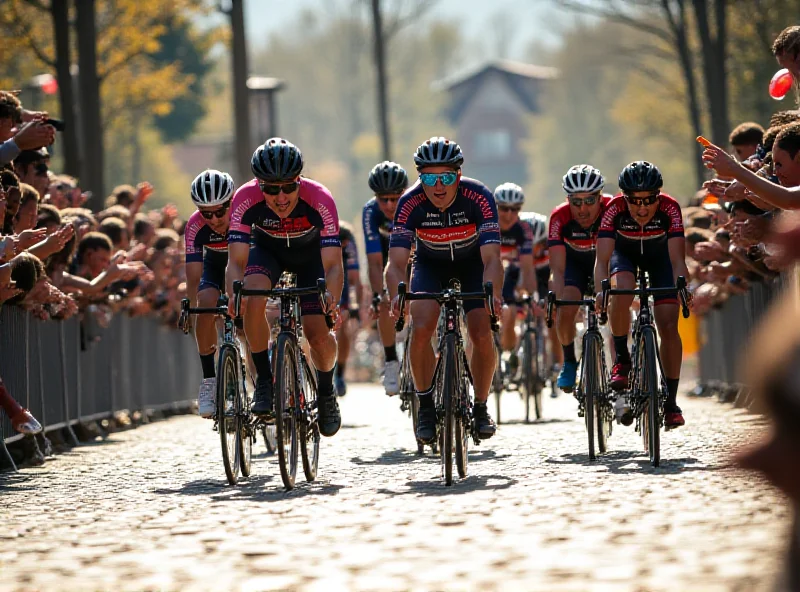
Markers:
578,272
213,272
656,263
306,264
434,276
543,281
510,281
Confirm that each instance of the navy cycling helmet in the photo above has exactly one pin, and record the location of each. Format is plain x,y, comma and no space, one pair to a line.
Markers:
276,161
439,151
640,176
388,177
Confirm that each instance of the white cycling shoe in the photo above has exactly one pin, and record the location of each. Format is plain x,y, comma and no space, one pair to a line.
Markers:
206,404
622,410
391,378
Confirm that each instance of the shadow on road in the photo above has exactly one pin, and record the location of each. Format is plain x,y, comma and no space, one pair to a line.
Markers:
627,461
398,456
268,488
543,421
435,486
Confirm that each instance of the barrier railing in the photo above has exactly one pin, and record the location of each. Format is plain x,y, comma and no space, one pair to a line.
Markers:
66,374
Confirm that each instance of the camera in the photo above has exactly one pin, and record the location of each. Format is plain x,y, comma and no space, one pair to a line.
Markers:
56,123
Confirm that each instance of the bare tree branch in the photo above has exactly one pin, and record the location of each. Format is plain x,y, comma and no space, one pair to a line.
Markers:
614,12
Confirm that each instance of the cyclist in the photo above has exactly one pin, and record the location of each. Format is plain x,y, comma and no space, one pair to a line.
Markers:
293,225
388,180
453,220
643,228
206,258
516,252
352,277
572,240
541,262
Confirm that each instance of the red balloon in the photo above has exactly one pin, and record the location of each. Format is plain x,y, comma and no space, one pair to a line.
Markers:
50,87
780,84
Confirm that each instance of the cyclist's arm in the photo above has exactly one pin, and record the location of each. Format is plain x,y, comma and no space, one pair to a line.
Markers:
677,256
493,267
194,273
375,271
396,269
558,266
528,273
605,248
334,270
354,279
237,261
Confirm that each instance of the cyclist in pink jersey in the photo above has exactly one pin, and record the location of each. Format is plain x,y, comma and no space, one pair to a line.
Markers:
280,222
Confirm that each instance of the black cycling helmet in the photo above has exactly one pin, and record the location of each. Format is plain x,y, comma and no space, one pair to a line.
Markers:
439,151
388,177
640,176
277,160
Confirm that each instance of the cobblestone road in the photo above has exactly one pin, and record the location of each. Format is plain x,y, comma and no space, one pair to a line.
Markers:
149,509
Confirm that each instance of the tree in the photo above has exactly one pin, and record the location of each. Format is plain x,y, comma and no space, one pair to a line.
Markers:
380,69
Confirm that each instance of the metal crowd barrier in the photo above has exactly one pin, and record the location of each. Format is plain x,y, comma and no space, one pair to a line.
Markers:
725,332
66,375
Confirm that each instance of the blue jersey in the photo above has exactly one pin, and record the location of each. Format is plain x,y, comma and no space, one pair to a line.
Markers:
454,234
377,229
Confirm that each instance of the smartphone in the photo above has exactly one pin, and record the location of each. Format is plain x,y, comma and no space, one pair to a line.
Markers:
56,123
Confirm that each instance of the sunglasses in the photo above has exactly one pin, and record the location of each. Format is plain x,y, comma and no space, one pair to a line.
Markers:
41,169
509,209
643,201
385,200
430,179
578,202
276,189
209,214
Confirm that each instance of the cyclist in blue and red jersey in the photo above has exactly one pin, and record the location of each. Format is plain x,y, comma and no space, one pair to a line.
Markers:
516,252
643,228
388,180
280,222
352,278
453,221
206,257
572,239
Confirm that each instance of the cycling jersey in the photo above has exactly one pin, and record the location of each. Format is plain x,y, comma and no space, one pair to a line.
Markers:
203,245
516,241
314,222
453,235
617,223
541,257
377,229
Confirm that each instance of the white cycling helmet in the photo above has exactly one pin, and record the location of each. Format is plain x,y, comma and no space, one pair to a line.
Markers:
583,178
538,224
510,194
211,188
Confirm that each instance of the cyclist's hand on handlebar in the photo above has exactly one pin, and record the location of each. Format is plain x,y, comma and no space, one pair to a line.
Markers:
498,306
599,305
395,310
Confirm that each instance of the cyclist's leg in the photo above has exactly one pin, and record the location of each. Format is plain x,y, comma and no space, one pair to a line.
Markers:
206,335
544,285
343,339
622,270
508,317
574,287
666,315
261,273
391,371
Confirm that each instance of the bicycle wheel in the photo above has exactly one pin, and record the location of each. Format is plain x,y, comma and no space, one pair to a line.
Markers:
408,395
309,428
449,397
650,391
285,417
246,430
463,425
497,378
228,408
589,388
604,411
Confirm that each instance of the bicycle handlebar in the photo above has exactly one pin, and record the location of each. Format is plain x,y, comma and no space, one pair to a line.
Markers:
239,292
678,290
445,296
553,302
186,309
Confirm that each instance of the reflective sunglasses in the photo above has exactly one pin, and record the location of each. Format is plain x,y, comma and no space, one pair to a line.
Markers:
643,201
384,200
430,179
578,201
509,208
209,214
276,189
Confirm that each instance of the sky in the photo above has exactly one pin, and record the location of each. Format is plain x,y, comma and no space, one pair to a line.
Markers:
530,19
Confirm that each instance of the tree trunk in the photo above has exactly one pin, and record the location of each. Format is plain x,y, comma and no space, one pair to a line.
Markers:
714,67
380,67
241,104
92,163
59,10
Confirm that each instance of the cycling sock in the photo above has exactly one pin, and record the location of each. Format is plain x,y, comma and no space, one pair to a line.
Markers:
621,347
325,382
263,365
207,363
569,352
340,369
390,352
672,392
426,398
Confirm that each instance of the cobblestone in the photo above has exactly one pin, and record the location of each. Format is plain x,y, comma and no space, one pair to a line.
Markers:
149,509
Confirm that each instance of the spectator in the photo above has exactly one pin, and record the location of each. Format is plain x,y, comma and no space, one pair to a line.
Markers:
10,184
93,256
143,230
48,218
745,139
786,49
32,166
117,231
28,211
122,195
14,136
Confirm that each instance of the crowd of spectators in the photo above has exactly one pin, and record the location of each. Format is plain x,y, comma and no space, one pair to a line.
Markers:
59,259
